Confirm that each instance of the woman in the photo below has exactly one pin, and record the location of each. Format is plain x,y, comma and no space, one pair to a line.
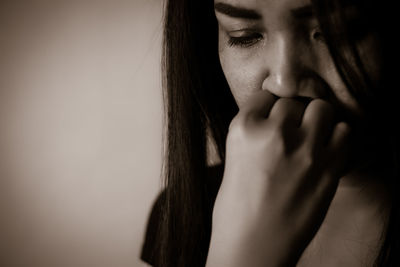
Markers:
300,100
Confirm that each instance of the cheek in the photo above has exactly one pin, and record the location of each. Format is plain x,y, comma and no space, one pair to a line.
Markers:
243,72
369,52
337,89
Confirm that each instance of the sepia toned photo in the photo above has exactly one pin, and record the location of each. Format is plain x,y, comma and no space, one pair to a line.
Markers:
199,133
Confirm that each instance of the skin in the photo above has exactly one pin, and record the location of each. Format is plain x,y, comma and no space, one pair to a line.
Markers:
288,195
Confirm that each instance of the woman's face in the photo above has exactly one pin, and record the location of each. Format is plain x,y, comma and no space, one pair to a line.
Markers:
276,45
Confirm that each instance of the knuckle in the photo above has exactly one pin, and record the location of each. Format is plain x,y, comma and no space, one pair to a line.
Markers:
277,143
241,127
279,124
319,101
307,157
236,127
233,123
307,162
341,136
280,130
283,101
271,135
344,128
281,105
286,108
321,104
277,138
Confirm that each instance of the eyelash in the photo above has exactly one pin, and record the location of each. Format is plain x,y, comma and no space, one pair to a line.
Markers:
244,41
251,39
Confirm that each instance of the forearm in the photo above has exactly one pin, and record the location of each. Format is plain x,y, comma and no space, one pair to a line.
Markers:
229,254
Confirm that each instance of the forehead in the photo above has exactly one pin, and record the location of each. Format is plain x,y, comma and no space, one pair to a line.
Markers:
266,4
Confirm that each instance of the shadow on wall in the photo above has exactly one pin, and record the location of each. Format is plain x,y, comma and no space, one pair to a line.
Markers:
80,130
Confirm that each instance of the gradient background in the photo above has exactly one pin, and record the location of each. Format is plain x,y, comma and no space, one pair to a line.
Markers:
80,130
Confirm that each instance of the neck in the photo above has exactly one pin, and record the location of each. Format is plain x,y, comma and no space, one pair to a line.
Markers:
353,227
364,192
359,211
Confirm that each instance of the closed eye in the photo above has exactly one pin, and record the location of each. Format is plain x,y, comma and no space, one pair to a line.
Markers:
245,40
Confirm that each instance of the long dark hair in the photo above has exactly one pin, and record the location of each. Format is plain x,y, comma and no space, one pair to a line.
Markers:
379,100
198,103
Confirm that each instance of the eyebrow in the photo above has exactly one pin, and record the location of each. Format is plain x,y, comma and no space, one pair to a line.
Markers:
304,12
236,12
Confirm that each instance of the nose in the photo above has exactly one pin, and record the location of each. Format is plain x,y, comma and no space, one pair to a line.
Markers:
285,67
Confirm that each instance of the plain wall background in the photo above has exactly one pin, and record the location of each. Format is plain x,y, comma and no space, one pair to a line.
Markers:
80,130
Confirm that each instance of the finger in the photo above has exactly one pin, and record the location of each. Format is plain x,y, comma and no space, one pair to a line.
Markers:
288,112
318,122
339,147
258,105
340,136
